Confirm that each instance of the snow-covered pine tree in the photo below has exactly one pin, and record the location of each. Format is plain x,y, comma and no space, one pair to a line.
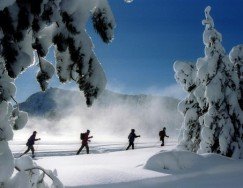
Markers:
190,132
35,25
236,57
222,122
221,118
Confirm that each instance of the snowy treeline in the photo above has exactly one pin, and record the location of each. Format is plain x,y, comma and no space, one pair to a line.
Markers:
35,25
213,118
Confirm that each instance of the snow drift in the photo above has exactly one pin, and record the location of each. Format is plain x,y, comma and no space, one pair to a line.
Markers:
173,160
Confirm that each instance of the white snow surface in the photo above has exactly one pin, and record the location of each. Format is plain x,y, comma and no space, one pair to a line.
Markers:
149,165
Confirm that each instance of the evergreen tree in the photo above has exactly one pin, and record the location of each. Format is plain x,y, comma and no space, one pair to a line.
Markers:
35,25
189,107
217,95
236,57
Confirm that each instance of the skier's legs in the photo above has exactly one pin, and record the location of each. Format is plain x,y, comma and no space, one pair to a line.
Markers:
80,149
129,146
87,148
132,145
32,150
28,149
163,142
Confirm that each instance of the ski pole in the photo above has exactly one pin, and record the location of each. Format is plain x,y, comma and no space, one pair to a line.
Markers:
125,146
37,145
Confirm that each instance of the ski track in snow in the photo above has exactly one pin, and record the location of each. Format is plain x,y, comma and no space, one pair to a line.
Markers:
63,149
109,165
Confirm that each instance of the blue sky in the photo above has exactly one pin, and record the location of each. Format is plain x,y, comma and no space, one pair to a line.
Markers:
150,36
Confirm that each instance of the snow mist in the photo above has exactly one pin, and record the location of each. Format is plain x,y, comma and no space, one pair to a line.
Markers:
110,119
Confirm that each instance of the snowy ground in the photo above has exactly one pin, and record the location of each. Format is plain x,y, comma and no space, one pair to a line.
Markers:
148,165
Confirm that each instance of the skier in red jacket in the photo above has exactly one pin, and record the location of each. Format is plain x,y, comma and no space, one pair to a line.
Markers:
85,139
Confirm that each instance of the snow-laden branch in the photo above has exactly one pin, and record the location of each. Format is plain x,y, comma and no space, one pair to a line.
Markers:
35,26
56,182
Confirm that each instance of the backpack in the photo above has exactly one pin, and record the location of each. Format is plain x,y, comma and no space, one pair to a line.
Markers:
82,136
160,133
30,141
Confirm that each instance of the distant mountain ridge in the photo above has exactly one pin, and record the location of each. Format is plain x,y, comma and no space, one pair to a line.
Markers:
43,103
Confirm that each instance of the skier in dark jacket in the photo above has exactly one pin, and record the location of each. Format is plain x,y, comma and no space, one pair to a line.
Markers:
131,138
85,139
162,135
30,144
